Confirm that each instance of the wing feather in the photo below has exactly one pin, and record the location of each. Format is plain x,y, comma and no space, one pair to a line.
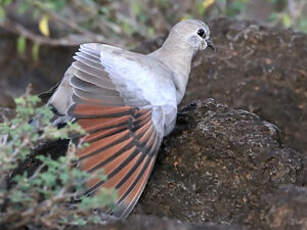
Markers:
123,139
112,100
90,87
89,57
90,63
123,153
91,75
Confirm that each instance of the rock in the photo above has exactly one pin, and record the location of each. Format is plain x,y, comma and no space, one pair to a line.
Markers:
260,69
217,166
287,208
151,222
221,166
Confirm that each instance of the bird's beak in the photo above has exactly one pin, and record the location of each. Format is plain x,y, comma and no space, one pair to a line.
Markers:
211,45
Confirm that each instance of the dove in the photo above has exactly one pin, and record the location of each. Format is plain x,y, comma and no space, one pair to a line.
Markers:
126,102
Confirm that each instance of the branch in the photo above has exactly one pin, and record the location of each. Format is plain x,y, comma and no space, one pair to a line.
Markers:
71,24
70,40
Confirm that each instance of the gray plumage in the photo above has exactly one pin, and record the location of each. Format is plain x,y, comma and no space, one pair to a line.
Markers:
104,75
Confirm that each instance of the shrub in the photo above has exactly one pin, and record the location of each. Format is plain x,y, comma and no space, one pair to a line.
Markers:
42,196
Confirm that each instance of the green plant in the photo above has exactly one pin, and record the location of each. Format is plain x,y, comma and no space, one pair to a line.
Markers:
290,14
42,196
125,22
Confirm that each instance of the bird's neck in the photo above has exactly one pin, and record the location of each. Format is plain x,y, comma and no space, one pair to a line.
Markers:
178,58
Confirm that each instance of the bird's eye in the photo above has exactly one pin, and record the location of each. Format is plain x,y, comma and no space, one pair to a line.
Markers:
201,33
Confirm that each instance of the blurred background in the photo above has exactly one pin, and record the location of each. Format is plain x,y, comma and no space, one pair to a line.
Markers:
127,22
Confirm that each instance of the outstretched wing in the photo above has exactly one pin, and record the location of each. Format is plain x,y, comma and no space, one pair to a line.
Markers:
124,144
123,138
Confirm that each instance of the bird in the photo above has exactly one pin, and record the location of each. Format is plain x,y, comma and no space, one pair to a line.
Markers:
126,102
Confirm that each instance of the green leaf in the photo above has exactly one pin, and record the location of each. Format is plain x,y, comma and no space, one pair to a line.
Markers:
35,51
136,8
2,14
163,4
302,24
59,4
5,2
23,6
32,190
236,7
104,11
286,20
21,45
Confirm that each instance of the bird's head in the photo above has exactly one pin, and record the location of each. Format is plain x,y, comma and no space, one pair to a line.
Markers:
192,34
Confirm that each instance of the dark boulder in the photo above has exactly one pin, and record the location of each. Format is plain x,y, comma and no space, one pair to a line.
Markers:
154,223
286,208
217,165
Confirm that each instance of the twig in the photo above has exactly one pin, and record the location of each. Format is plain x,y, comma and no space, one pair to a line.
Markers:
71,24
83,35
70,40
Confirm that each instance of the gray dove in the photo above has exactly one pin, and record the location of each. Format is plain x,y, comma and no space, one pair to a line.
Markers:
127,102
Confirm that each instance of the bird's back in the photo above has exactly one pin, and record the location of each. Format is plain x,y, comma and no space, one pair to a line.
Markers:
139,80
